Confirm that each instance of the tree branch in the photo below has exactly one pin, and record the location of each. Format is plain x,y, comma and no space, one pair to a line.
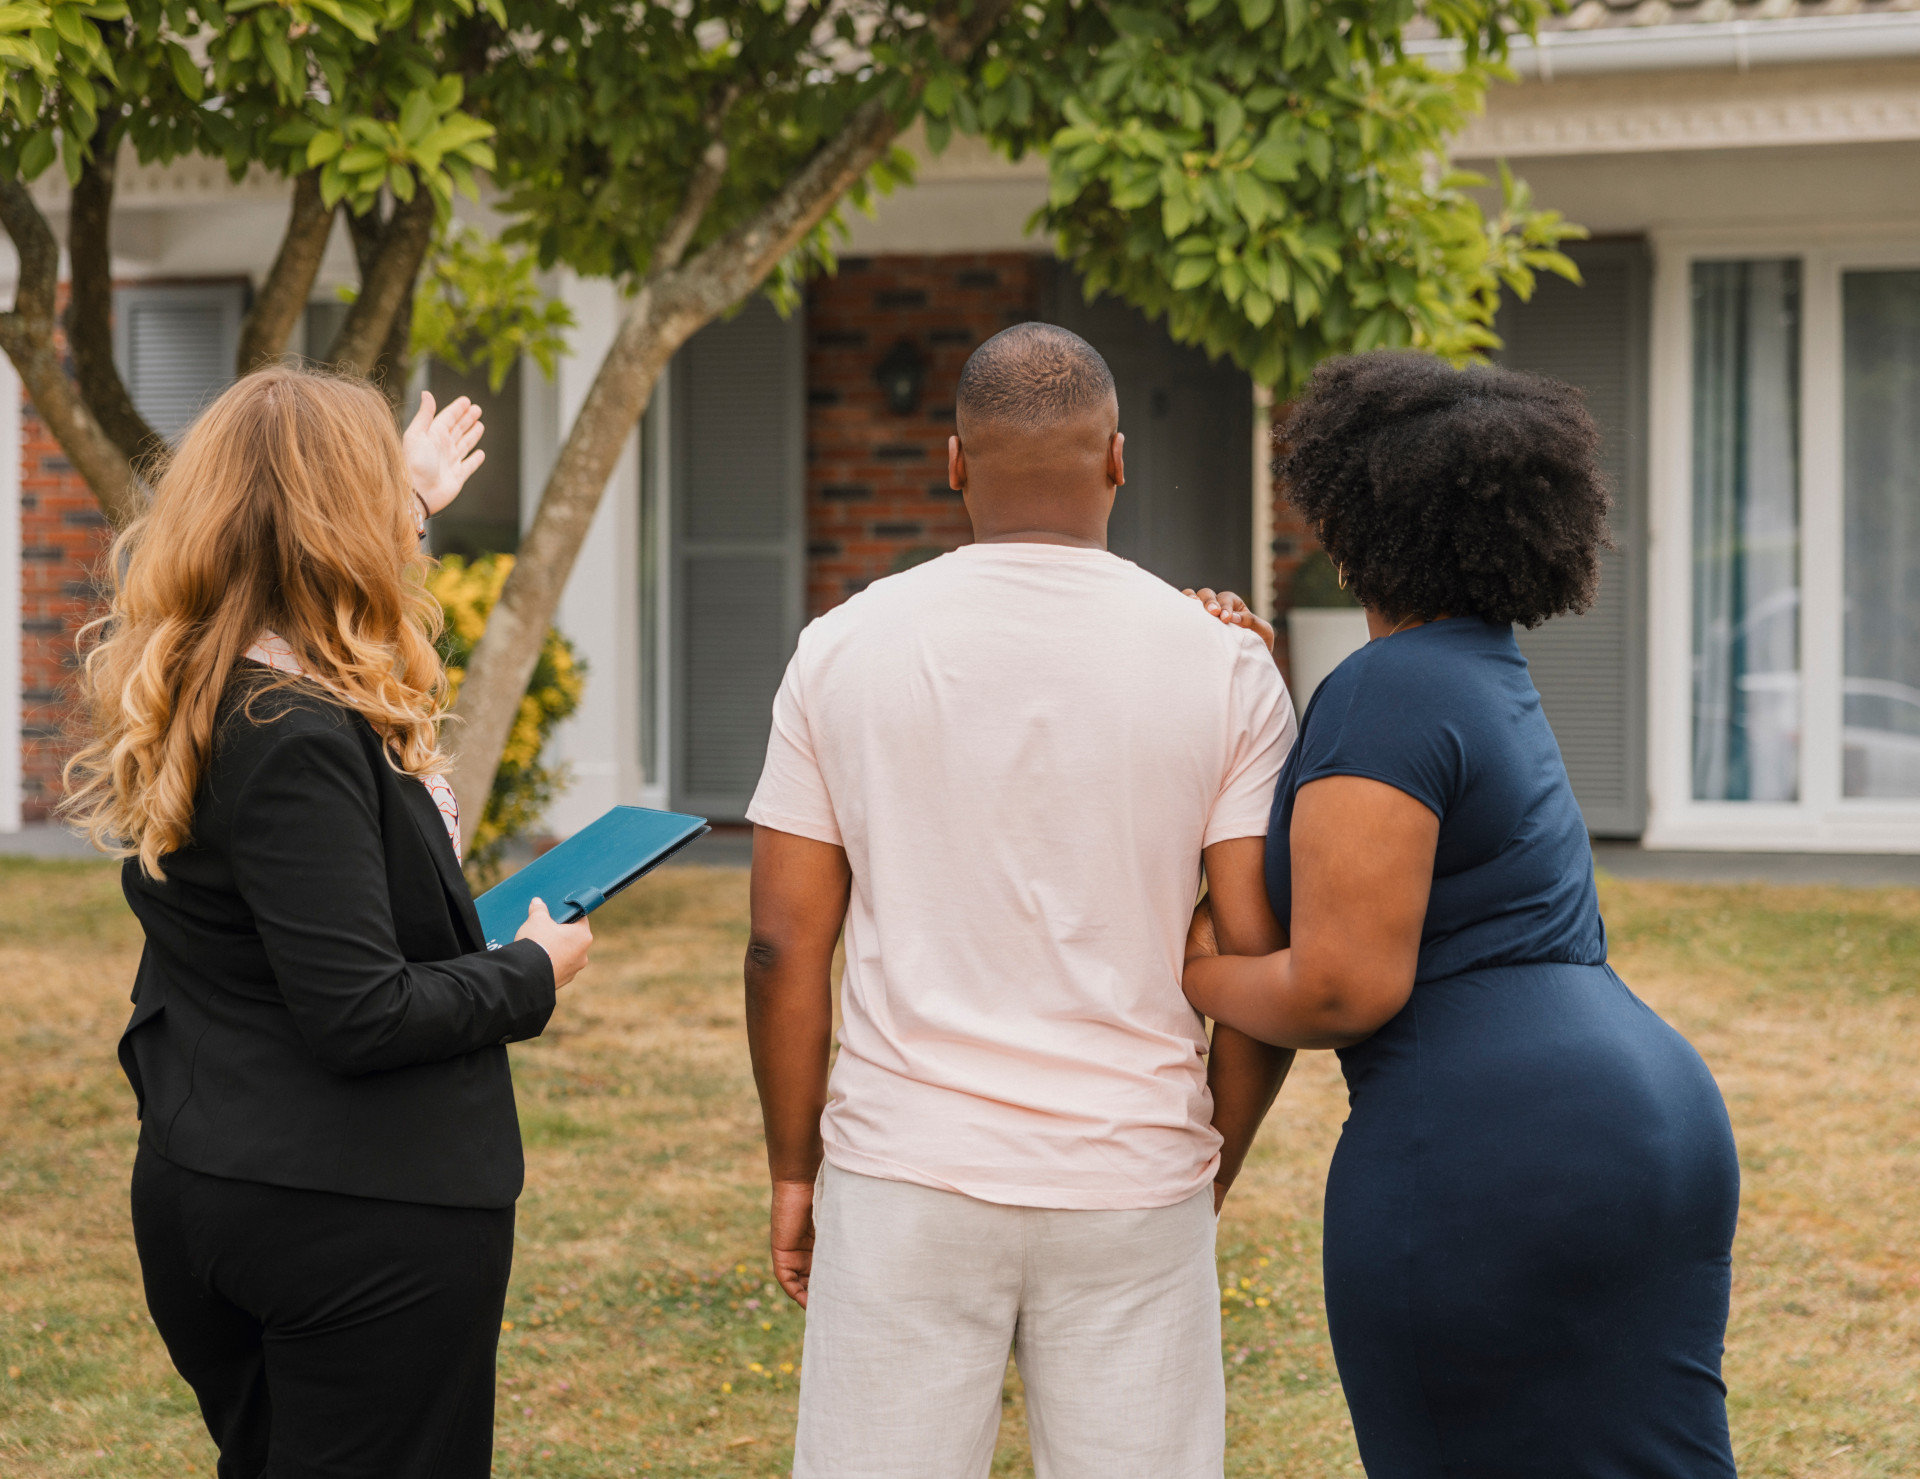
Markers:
27,335
90,300
672,305
386,281
708,176
289,284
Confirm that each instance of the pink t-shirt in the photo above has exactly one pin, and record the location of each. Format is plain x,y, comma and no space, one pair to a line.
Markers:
1023,749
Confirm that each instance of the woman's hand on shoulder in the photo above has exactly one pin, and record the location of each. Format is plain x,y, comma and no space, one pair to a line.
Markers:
1234,612
566,944
440,450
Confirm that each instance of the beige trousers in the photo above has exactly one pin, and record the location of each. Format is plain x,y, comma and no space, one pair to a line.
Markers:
917,1295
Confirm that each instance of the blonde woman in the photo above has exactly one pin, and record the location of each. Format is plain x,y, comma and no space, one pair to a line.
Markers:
323,1195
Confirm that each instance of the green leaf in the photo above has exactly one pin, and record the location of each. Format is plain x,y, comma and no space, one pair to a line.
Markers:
401,182
1256,202
273,46
1255,13
1228,121
1176,213
363,157
325,146
1191,272
416,116
455,131
37,153
70,24
185,73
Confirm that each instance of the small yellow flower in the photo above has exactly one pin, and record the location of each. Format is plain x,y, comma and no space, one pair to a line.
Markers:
786,1368
506,1324
739,1268
726,1386
766,1324
755,1366
1265,1261
1246,1283
1262,1301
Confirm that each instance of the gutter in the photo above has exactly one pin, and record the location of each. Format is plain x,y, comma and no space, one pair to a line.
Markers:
1704,46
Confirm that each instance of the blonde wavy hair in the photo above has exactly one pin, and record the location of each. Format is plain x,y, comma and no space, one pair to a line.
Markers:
287,507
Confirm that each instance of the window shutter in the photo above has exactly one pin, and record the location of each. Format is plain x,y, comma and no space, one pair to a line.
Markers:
1591,670
175,346
739,513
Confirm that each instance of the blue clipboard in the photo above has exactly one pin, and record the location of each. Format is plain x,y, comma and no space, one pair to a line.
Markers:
586,870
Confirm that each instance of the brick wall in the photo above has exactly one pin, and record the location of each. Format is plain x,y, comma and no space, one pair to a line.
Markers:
63,539
877,495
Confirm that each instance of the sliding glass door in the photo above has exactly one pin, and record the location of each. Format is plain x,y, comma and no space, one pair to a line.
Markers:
1784,563
1880,730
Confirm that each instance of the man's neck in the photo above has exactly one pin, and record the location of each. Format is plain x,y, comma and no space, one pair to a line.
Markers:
1042,536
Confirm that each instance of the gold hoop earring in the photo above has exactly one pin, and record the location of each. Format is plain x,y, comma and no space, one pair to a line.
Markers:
1342,569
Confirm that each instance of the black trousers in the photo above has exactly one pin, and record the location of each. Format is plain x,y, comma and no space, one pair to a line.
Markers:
326,1336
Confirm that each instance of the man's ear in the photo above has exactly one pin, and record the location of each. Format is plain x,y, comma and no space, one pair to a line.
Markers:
956,465
1116,460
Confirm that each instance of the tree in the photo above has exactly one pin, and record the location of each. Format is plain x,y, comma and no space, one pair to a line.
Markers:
695,153
1270,179
353,102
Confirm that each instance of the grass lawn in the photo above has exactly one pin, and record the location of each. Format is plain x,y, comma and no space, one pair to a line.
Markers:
646,1337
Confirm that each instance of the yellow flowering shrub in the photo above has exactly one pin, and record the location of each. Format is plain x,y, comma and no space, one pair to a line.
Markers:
524,786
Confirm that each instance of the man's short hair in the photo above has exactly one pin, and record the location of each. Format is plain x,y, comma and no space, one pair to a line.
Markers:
1032,376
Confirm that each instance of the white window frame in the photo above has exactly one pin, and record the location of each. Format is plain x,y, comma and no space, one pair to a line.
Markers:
1822,820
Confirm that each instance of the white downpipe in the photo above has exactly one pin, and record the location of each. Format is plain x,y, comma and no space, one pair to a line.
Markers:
1705,46
1260,587
10,597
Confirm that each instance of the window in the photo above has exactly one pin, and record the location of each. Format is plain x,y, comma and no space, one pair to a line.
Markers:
1880,725
175,346
1746,531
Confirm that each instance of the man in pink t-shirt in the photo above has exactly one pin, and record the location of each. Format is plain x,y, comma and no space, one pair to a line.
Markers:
1002,771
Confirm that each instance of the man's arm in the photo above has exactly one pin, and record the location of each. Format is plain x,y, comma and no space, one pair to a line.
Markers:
799,901
1243,1073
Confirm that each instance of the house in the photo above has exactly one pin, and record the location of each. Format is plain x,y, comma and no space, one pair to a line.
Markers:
1748,335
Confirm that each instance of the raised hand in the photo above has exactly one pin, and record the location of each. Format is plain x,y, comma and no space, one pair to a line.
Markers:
440,450
1235,612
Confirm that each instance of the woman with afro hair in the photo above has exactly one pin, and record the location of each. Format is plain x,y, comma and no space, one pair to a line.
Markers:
1530,1215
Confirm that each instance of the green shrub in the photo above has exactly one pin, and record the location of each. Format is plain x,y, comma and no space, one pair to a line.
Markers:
524,786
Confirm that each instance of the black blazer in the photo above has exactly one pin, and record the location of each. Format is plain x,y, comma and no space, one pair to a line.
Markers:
315,1005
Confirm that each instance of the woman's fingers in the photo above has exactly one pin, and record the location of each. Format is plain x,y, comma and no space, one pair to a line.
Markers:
422,418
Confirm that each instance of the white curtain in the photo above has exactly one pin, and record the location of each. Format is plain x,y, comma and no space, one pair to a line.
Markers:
1746,531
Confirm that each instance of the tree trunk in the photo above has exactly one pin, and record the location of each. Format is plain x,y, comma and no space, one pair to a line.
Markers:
390,255
27,335
90,303
287,287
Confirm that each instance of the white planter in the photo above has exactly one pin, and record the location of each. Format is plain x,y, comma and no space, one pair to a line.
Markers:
1318,641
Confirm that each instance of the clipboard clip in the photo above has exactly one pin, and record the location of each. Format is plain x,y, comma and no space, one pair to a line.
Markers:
584,902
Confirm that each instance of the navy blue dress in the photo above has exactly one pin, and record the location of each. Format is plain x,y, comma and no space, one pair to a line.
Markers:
1530,1215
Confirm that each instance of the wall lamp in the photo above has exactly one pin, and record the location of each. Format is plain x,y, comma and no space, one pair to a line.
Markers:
902,375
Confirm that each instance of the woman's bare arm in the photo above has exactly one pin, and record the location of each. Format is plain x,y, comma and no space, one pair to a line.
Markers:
1243,1074
1362,869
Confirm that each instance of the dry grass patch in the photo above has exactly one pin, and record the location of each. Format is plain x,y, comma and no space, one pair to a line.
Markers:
647,1338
